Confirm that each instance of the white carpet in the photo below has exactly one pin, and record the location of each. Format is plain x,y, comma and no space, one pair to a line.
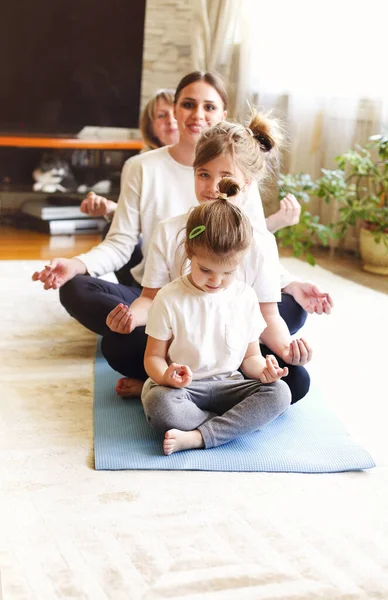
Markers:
67,531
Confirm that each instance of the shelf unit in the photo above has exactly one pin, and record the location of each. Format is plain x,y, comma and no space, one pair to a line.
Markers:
14,192
64,143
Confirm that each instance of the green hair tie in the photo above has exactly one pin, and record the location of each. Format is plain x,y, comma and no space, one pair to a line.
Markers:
196,231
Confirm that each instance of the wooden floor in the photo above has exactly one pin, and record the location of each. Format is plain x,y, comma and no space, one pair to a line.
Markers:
19,244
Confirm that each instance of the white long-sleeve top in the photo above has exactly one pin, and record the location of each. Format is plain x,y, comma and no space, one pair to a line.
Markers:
154,187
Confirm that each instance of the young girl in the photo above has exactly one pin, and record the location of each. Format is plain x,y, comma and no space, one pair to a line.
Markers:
201,328
225,149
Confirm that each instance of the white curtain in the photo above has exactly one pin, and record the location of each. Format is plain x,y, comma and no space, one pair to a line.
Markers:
322,67
216,26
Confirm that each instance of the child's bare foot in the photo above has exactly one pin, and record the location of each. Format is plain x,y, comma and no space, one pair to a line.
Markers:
129,388
176,440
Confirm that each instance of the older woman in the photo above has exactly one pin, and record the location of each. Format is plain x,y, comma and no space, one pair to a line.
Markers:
159,128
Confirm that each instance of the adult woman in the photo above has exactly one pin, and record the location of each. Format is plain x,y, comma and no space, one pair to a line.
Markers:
158,128
145,199
152,186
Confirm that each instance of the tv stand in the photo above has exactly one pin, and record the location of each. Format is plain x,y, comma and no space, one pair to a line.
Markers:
17,188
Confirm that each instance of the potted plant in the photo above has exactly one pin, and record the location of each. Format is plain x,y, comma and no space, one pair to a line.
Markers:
360,188
305,234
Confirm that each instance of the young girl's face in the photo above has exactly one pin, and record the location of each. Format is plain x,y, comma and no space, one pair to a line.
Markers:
198,107
209,175
212,276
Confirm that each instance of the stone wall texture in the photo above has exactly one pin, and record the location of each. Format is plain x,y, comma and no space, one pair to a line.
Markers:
167,45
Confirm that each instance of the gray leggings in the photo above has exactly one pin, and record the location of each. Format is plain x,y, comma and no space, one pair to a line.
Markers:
221,409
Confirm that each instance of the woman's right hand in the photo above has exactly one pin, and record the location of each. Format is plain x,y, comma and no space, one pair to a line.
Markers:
59,272
177,376
121,319
97,206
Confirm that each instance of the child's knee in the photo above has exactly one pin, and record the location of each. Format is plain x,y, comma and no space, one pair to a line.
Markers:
283,395
159,408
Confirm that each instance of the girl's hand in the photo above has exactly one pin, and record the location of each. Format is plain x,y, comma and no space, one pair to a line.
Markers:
59,272
298,353
287,215
177,376
97,206
289,212
272,372
121,319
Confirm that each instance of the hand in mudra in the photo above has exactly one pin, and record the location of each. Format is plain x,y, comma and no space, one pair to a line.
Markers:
311,298
298,353
289,211
97,206
121,319
59,272
272,371
178,376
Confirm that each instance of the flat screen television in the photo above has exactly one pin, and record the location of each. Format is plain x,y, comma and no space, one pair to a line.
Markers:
65,64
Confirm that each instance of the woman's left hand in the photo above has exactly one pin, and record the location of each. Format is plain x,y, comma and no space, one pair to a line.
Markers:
298,353
310,297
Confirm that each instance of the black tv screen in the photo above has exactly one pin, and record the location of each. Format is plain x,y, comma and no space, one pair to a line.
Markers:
65,64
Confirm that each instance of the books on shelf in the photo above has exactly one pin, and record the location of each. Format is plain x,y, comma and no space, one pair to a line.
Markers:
46,211
65,226
95,132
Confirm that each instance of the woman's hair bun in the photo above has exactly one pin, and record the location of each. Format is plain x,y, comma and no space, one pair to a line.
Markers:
229,186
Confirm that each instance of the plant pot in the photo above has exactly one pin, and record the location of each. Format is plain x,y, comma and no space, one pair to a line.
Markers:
374,254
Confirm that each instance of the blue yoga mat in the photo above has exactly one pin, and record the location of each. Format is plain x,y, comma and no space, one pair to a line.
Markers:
308,438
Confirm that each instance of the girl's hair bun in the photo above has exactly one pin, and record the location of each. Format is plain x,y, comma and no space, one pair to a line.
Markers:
265,141
265,131
229,186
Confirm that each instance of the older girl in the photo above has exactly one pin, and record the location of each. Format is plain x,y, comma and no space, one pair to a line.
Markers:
227,149
158,128
201,328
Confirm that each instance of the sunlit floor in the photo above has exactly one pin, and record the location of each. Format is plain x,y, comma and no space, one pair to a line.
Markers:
20,244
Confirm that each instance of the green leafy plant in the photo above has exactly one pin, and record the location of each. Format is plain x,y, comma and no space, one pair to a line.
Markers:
360,187
305,234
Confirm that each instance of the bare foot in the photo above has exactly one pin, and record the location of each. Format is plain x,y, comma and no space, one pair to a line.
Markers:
176,440
129,388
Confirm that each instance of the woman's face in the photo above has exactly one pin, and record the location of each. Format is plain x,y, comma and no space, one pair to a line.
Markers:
209,175
198,107
164,124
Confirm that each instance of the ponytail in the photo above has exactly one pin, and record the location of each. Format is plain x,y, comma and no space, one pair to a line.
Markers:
219,227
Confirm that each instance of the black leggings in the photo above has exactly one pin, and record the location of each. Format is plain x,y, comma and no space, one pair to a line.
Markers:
90,300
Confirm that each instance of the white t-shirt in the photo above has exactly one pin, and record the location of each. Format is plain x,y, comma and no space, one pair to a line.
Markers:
166,259
154,186
210,332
